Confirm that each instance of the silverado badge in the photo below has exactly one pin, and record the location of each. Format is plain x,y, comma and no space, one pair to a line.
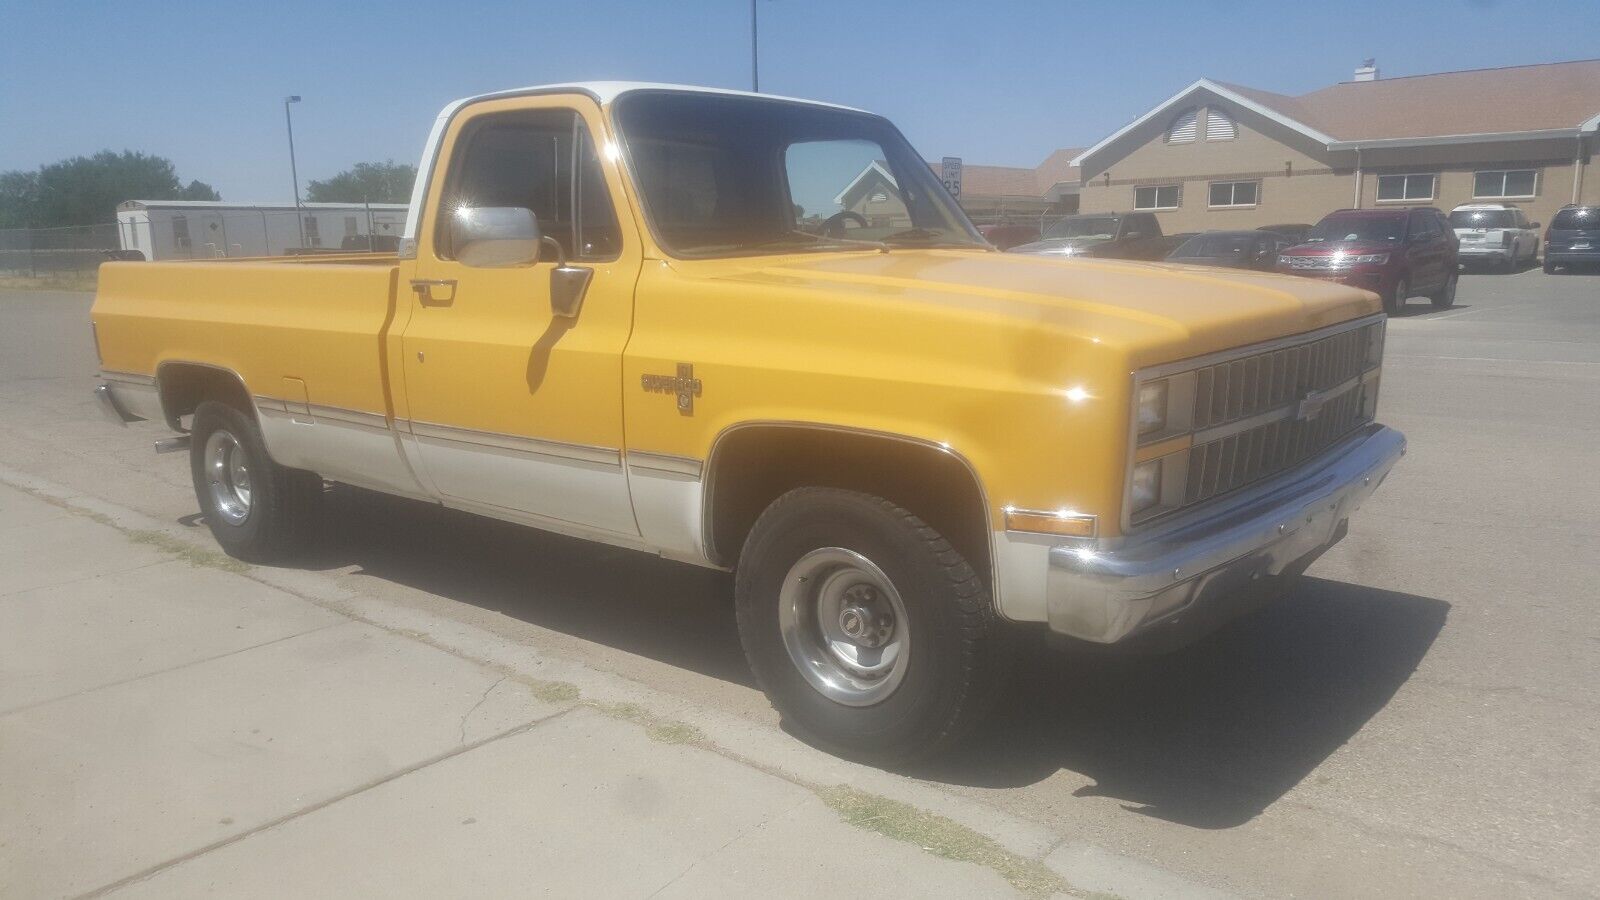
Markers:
684,384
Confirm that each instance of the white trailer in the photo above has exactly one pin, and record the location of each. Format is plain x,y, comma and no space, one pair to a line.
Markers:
206,229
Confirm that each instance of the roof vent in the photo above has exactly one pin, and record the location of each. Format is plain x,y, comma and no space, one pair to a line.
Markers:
1367,71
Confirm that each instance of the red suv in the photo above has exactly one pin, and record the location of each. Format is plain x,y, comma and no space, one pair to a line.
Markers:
1395,253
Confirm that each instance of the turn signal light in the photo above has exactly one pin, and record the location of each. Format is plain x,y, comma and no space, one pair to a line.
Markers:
1063,522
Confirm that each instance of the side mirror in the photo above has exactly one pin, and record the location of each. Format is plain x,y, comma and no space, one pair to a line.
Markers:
1533,226
494,237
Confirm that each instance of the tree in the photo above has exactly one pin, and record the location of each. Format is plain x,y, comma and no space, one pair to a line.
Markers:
385,182
85,190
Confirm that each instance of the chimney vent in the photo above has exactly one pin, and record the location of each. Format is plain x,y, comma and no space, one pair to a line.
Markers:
1367,71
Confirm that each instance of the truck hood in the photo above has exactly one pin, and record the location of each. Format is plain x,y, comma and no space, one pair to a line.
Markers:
1155,312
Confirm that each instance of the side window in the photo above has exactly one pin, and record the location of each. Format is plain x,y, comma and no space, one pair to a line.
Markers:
540,160
1423,226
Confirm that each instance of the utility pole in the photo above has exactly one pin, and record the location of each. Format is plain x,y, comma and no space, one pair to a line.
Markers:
299,220
755,63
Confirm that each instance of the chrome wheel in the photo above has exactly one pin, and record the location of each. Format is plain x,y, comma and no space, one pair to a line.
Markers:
845,626
228,477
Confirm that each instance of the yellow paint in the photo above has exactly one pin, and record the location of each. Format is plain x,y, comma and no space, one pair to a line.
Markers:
1020,364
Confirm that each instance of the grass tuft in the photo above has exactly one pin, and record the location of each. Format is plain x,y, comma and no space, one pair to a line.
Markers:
194,556
939,836
666,731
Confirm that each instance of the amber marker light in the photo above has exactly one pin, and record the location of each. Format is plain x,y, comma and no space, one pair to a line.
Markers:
1065,522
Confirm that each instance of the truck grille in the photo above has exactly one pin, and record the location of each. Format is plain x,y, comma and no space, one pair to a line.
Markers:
1219,466
1229,391
1261,413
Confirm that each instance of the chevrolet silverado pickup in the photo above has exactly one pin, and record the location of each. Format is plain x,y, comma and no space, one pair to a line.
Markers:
756,334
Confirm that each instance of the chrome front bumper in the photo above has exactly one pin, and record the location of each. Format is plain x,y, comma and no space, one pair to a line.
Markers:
1109,590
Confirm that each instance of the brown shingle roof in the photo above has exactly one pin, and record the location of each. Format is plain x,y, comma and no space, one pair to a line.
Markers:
1016,181
1478,101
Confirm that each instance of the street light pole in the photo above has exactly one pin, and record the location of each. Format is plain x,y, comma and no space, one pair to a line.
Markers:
755,64
294,173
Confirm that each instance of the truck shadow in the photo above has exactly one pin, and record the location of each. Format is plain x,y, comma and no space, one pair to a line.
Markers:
1209,736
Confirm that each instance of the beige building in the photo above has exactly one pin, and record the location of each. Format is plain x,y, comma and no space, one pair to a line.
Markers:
1218,155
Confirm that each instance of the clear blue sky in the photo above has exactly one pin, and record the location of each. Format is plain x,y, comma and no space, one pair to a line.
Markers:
993,81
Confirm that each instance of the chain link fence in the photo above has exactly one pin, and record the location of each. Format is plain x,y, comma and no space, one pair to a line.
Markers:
44,252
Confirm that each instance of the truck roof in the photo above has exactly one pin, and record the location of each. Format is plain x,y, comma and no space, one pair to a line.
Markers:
607,91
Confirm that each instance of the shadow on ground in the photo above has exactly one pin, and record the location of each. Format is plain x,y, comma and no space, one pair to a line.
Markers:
1208,737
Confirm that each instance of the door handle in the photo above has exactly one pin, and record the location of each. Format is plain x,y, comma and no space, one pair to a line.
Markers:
424,288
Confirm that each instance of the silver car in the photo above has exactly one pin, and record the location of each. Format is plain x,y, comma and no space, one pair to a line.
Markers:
1495,234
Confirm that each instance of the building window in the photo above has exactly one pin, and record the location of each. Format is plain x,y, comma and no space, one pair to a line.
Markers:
313,238
1219,127
1183,127
1400,188
180,233
1226,194
349,226
1502,184
1156,196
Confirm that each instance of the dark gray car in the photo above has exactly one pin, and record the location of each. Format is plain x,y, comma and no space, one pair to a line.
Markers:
1231,249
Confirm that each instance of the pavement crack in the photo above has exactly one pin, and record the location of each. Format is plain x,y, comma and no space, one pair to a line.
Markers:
481,700
158,868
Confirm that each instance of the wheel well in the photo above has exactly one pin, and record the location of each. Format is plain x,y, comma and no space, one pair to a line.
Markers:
752,466
184,386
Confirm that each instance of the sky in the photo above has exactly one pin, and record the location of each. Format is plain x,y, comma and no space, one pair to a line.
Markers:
998,82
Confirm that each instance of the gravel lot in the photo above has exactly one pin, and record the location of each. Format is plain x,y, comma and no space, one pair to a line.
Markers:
1420,719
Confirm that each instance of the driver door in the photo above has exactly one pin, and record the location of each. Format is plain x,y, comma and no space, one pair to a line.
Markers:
515,410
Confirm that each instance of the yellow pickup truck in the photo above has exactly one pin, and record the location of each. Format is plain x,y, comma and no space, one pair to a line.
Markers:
757,334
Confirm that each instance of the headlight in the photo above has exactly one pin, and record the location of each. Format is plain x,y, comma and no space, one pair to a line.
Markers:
1367,259
1152,407
1146,485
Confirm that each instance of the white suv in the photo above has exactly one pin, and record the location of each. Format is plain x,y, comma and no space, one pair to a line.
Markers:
1495,233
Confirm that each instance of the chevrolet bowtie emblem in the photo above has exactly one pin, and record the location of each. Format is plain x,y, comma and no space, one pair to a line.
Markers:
684,384
1310,406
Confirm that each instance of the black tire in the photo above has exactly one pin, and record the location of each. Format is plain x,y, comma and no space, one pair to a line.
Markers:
1396,301
281,513
955,663
1445,297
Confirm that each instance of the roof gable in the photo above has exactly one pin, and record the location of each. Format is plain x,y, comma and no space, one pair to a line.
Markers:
1549,99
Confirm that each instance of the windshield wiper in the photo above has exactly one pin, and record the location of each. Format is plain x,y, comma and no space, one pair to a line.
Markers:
926,237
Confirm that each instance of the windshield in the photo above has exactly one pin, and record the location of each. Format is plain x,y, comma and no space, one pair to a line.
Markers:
726,176
1357,228
1483,218
1580,217
1207,246
1096,227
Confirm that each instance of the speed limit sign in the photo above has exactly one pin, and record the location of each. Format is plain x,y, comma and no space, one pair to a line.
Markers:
950,174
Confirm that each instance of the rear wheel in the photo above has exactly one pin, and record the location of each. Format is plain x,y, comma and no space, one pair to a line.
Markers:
1396,301
257,510
870,634
1445,297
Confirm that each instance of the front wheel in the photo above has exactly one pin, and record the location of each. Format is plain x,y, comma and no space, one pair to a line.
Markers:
1396,301
870,634
257,510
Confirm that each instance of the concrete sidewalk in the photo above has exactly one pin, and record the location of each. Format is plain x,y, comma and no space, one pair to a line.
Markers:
171,725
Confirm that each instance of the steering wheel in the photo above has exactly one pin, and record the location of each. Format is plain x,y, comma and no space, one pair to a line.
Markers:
833,226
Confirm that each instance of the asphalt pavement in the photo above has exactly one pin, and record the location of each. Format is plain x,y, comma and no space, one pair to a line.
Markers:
1419,719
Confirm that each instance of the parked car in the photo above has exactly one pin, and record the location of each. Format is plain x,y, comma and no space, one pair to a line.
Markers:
775,403
1573,238
1135,235
1496,234
1231,249
1006,235
1395,253
1293,232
